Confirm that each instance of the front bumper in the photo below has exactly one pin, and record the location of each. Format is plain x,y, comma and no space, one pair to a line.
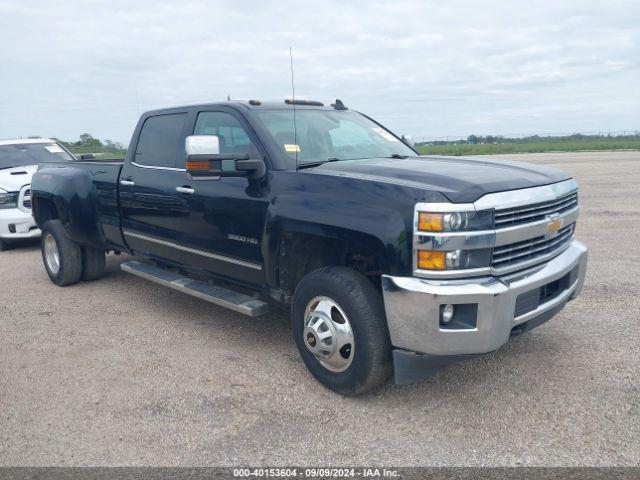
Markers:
16,224
413,306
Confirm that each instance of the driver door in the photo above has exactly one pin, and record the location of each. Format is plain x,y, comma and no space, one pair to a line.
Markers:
227,214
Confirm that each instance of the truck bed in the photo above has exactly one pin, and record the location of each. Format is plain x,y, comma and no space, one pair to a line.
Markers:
96,185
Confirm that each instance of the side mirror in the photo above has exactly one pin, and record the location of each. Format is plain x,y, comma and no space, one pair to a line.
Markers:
204,160
202,145
408,140
87,156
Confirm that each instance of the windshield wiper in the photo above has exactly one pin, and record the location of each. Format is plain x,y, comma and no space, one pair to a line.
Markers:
397,155
318,163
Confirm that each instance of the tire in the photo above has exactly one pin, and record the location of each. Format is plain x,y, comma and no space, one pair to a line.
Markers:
364,365
65,268
93,262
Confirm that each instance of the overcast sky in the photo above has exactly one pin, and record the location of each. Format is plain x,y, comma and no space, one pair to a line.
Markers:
423,68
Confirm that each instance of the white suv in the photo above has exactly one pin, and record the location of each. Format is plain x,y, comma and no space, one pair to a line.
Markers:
19,160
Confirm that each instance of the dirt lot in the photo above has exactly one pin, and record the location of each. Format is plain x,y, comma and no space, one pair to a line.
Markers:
123,372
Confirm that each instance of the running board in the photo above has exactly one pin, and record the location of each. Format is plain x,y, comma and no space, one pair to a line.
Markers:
224,297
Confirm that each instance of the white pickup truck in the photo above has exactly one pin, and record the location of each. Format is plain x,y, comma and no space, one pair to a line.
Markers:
19,160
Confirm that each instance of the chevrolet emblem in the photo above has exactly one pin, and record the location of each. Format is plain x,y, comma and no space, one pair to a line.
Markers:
554,225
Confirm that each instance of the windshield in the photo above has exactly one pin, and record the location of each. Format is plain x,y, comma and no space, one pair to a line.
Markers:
325,135
23,154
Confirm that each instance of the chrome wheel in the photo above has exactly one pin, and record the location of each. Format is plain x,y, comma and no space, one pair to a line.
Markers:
328,334
52,254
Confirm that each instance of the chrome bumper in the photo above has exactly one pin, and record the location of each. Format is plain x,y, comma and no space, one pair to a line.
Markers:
413,306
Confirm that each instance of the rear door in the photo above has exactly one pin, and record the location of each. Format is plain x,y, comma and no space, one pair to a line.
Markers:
154,214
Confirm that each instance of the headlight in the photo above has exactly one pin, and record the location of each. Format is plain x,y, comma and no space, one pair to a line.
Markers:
454,259
8,200
455,221
452,241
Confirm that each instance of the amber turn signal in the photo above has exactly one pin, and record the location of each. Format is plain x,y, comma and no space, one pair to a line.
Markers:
430,222
198,165
430,260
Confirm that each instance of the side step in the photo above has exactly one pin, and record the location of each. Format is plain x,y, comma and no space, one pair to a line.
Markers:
224,297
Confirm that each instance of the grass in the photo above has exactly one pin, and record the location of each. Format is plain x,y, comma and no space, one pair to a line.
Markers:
531,147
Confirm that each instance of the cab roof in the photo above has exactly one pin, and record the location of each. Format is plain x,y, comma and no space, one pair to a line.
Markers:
252,105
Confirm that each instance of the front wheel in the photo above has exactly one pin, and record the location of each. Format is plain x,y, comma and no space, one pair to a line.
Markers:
340,329
62,256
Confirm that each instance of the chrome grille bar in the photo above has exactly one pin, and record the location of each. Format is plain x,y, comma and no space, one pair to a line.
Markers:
531,213
518,252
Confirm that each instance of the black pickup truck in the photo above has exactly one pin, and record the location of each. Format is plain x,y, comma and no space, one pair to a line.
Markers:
390,261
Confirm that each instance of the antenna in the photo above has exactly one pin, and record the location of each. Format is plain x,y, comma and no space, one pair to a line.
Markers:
293,95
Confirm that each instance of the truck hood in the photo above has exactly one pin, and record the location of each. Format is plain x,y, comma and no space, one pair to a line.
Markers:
460,179
13,179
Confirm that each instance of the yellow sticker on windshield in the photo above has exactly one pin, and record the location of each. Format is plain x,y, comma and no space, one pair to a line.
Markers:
291,147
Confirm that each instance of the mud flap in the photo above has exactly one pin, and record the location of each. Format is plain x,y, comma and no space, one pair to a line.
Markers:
411,367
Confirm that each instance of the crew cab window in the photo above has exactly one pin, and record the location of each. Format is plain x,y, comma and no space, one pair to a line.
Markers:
160,140
233,137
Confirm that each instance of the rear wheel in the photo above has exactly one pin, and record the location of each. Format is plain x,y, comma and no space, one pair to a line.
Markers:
340,329
93,263
62,256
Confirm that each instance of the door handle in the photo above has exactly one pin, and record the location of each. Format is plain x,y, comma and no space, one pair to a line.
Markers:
127,183
187,190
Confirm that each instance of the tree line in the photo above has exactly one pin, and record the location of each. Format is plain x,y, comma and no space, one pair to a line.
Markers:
87,143
492,139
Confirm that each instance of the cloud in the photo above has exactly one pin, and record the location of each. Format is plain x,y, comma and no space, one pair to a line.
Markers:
424,68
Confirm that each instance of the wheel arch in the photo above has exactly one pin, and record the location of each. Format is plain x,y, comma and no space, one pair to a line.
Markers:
43,210
301,248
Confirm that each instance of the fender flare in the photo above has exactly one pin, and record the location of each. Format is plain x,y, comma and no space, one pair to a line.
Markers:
71,192
285,229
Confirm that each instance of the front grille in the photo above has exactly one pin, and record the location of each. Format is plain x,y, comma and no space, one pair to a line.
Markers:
26,200
531,249
523,237
531,213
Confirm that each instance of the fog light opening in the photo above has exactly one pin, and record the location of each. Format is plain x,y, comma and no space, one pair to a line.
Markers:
447,314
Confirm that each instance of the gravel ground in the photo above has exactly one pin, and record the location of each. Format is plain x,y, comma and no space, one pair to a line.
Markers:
123,372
